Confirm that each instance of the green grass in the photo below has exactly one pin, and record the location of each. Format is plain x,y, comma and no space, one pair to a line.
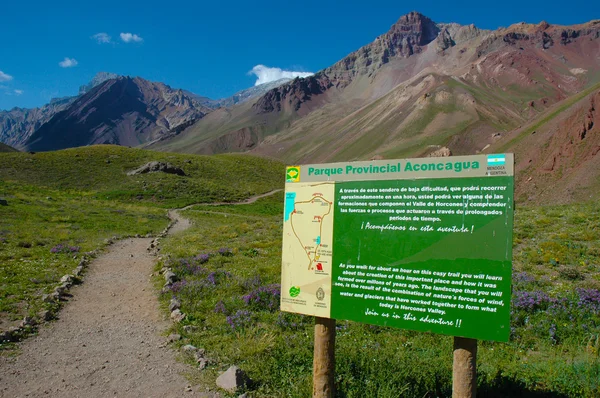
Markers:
276,348
81,197
101,171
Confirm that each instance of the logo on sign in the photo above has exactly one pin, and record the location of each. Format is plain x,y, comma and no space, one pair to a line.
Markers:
320,294
292,174
294,291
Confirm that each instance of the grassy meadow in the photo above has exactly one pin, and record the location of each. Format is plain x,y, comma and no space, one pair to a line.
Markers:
230,262
63,204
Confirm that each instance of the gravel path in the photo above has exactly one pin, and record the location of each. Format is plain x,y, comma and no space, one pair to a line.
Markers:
107,341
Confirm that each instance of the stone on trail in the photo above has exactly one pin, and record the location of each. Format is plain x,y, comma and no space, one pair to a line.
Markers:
202,363
177,316
174,337
233,379
170,277
175,304
188,349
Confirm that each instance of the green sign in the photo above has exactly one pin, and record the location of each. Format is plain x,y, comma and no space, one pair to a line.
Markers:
419,244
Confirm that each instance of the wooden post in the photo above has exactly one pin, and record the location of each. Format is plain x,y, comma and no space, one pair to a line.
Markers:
324,358
464,368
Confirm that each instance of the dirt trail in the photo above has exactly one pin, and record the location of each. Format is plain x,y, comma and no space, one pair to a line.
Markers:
107,340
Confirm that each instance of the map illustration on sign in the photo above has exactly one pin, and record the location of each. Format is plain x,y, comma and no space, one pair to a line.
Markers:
307,241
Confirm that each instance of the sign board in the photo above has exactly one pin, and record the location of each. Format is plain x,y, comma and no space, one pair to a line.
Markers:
421,244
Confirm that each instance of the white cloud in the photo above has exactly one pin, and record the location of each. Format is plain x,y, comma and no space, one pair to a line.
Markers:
266,74
5,77
102,38
18,92
68,62
130,37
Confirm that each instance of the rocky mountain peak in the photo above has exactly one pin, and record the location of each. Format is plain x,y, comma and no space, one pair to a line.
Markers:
99,78
413,27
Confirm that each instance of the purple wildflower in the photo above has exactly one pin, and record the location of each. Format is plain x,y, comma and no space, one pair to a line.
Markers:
178,286
202,258
215,278
240,319
264,298
522,278
252,283
589,299
530,301
60,248
220,308
225,251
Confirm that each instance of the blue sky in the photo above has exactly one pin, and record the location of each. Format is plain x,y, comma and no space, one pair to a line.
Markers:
209,47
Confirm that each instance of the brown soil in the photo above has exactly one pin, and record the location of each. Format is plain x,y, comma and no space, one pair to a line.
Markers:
107,340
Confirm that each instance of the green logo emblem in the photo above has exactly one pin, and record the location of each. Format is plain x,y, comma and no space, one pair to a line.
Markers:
292,174
294,291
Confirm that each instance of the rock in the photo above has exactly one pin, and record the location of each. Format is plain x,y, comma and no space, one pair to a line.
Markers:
190,328
51,298
3,202
153,167
27,321
78,271
67,280
45,315
174,337
200,354
188,349
202,363
233,379
60,290
440,153
170,277
175,304
177,316
244,395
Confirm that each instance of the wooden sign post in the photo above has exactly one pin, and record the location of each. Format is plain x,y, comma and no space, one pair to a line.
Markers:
324,358
464,368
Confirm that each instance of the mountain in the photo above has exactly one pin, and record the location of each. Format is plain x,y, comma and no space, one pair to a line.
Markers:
245,95
124,111
18,124
239,97
6,148
417,88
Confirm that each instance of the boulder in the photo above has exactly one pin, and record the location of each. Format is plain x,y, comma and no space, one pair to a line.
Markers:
233,379
440,153
154,167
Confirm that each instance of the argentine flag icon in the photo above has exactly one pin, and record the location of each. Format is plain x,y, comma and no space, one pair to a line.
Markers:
496,160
